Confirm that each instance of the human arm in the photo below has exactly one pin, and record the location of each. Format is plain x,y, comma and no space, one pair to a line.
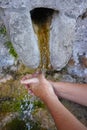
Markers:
71,91
64,120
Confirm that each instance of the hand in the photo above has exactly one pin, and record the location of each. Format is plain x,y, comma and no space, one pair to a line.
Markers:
38,85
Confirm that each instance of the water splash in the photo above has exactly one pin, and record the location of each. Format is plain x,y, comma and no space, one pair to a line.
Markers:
27,107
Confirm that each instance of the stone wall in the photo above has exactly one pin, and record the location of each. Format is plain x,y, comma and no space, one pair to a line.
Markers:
68,33
6,59
79,56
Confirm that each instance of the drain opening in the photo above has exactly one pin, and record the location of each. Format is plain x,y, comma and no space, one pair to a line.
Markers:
41,15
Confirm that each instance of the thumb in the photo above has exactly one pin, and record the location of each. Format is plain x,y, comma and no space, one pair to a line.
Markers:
29,81
41,76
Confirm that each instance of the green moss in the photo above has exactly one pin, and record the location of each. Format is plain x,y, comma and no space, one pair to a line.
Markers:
16,124
11,49
8,43
3,30
38,104
10,106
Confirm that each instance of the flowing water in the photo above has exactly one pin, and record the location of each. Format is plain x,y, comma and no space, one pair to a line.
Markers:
43,41
41,19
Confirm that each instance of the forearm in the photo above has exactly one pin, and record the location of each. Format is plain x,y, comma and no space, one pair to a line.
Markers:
72,91
64,120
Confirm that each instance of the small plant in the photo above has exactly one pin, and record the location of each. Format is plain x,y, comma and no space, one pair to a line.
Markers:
16,124
3,30
12,51
8,44
28,105
10,106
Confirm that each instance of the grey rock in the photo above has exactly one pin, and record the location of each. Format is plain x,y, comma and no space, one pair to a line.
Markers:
11,4
5,58
56,76
79,48
71,8
5,79
23,37
77,70
61,41
68,78
86,79
80,44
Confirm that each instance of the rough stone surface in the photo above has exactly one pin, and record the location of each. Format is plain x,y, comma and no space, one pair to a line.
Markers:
68,78
61,41
23,38
5,58
79,56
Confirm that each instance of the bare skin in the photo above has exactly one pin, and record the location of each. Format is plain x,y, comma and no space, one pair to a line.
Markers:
42,88
71,91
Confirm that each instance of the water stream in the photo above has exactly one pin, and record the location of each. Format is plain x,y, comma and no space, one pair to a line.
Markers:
41,19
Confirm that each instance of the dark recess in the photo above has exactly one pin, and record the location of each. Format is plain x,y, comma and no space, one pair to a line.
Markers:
41,15
84,15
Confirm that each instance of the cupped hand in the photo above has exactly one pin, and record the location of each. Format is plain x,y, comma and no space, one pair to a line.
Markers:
38,84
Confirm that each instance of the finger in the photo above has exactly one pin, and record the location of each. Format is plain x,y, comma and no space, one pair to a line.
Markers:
27,76
23,78
34,75
27,86
30,91
41,76
29,81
